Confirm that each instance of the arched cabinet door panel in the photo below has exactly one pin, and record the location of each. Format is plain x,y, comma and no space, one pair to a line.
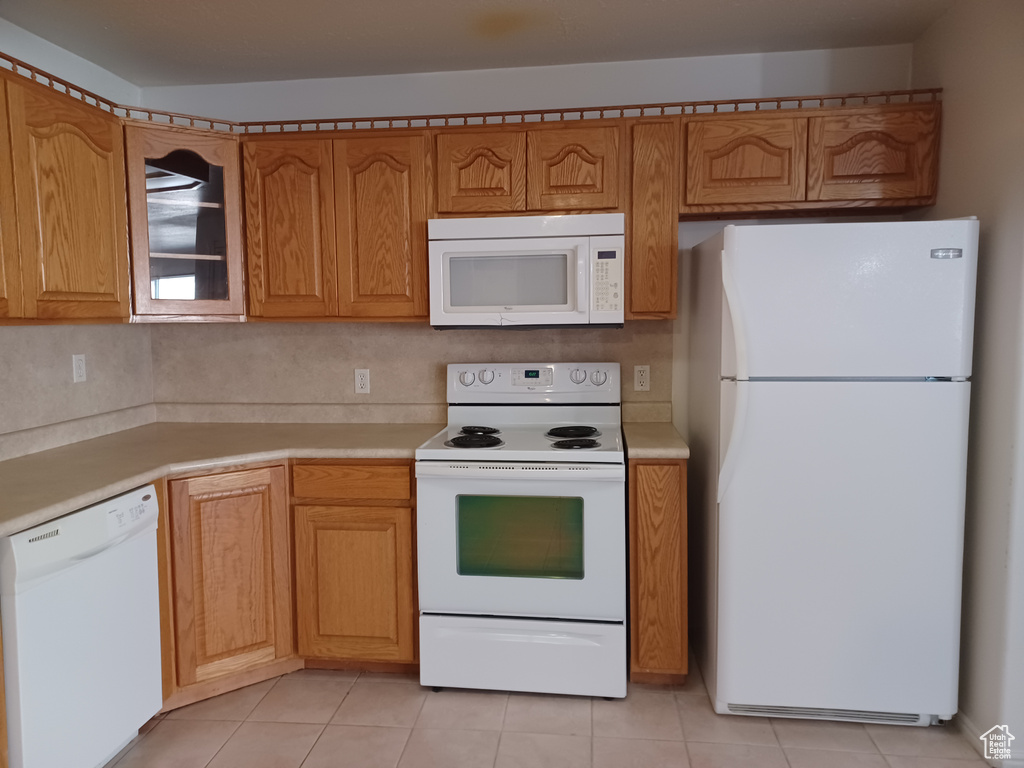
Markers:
381,218
745,160
536,169
883,154
289,201
69,186
481,172
573,168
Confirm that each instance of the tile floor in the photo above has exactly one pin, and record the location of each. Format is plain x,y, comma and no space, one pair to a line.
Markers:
321,719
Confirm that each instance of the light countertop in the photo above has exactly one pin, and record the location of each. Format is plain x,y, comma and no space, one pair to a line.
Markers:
654,440
41,486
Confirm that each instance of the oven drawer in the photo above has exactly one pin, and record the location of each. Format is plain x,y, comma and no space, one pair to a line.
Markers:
352,481
578,658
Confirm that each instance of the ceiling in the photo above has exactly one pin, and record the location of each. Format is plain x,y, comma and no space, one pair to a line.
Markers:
181,42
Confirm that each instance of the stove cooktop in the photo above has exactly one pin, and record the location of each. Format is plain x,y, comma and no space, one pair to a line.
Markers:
543,412
524,443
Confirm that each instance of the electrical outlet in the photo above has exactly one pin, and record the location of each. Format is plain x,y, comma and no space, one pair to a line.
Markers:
78,368
641,378
362,381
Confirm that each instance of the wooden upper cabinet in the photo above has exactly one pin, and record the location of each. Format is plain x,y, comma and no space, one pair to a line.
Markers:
573,168
289,206
69,184
381,219
231,568
481,172
745,160
10,266
884,153
654,217
185,203
540,169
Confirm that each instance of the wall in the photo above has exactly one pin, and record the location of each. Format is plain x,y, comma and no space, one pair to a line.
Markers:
975,54
36,51
41,407
305,371
801,73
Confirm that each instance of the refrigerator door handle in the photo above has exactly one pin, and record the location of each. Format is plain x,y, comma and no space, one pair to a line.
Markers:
732,301
734,447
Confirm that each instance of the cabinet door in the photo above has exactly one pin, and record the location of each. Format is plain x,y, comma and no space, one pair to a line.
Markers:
72,213
481,171
10,267
289,207
232,575
572,168
381,220
745,160
886,153
654,227
354,580
185,204
658,631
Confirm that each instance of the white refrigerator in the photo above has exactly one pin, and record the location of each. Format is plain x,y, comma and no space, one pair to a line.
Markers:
828,396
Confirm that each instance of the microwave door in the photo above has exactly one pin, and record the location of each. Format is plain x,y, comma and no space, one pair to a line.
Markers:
537,281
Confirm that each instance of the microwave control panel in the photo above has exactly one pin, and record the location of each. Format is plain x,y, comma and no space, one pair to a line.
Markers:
606,277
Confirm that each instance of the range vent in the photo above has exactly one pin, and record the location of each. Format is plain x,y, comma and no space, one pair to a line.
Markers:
43,536
521,467
851,715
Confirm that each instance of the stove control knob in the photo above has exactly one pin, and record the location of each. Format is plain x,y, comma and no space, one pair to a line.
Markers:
598,378
485,376
577,376
466,378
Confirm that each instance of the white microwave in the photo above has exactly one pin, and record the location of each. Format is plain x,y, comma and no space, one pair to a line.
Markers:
527,270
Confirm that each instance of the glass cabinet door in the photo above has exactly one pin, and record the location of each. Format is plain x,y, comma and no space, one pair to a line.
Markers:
186,222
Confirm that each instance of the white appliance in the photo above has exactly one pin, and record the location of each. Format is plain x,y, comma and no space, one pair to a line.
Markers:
527,270
521,532
828,411
81,633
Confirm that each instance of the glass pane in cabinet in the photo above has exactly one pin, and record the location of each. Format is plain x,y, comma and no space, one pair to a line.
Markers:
187,240
538,537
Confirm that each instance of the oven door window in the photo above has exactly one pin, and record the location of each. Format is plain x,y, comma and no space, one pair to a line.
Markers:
531,537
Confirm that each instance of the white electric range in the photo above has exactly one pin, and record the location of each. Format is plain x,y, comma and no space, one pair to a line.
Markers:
521,532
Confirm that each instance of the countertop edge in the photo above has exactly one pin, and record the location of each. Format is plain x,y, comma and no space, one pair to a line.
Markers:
645,440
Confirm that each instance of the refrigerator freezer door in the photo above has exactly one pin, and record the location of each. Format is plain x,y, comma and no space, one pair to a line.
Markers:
840,547
874,300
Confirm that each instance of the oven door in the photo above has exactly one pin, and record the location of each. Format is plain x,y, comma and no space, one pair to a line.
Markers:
532,540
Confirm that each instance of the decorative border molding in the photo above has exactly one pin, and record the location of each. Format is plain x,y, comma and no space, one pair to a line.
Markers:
477,119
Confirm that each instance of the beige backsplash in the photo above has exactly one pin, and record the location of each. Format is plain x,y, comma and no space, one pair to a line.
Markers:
279,372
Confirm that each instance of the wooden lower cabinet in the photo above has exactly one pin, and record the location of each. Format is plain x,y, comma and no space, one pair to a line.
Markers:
657,548
355,574
231,567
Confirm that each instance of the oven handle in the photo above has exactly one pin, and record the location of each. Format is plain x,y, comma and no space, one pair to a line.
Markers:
537,471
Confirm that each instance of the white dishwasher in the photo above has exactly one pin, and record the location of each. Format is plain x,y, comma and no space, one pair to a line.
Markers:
81,633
